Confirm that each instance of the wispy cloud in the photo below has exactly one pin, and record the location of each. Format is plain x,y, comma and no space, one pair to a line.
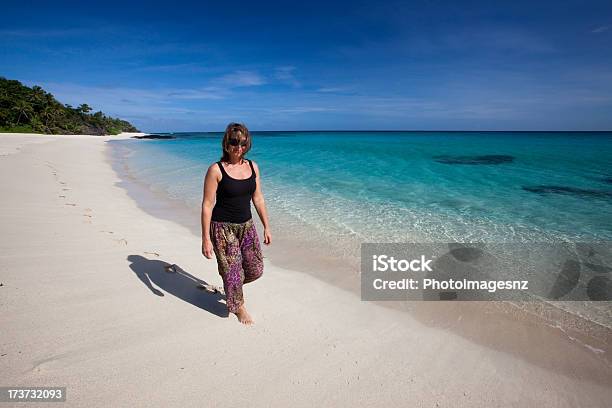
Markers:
500,40
203,93
601,29
285,75
333,89
190,67
241,78
128,100
44,33
303,109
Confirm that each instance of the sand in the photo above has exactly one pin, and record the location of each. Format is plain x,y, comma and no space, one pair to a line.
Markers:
85,303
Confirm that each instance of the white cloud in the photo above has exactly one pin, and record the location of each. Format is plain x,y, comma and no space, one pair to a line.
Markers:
127,102
285,75
303,109
188,67
332,89
45,33
601,29
203,93
241,78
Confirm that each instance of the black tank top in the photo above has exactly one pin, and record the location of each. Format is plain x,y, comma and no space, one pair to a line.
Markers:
234,198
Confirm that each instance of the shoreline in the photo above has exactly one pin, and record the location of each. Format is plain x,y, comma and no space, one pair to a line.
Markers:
317,343
290,254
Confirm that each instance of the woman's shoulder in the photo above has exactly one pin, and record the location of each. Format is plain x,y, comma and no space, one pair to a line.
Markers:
214,168
213,165
255,166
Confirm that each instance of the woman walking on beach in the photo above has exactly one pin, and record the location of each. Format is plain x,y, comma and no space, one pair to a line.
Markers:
227,225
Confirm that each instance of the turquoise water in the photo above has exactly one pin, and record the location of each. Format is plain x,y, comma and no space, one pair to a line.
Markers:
348,187
328,192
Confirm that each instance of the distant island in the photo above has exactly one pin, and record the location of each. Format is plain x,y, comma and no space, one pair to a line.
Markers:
33,110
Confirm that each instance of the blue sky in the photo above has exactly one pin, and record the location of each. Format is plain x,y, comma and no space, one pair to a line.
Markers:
396,65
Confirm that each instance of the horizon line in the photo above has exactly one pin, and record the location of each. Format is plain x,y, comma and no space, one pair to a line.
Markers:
396,131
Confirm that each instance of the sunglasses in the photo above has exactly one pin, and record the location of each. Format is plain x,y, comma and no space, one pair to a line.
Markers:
236,142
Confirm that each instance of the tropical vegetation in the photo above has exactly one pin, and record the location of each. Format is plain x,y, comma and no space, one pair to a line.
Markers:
33,110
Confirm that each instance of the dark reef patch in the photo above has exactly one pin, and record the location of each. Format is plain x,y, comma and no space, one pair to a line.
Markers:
573,191
600,288
484,159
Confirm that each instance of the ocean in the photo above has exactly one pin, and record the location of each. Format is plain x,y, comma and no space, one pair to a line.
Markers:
333,191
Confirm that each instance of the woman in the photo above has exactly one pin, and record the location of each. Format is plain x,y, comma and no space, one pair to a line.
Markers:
227,225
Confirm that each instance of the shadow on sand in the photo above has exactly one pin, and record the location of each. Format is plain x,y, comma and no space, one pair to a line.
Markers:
181,284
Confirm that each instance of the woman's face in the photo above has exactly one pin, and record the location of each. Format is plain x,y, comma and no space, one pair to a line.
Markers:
237,144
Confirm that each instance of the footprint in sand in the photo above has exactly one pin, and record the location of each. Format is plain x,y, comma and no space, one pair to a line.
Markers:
62,196
72,204
65,189
108,232
151,253
211,288
122,241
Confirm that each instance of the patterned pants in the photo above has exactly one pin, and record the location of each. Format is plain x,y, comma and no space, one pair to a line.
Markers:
239,257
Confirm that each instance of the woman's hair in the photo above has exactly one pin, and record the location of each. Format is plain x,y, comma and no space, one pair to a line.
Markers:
235,130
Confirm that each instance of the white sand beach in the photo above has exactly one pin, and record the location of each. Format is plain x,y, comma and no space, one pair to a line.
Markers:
85,303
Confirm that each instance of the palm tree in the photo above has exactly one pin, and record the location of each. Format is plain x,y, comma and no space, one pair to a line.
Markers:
24,109
38,96
48,115
83,108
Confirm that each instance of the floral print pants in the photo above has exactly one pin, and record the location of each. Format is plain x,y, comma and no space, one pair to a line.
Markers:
239,257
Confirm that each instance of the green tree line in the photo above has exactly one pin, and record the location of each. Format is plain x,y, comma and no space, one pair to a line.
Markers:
24,109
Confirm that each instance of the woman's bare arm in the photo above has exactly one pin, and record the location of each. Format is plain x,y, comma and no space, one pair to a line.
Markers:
211,181
260,206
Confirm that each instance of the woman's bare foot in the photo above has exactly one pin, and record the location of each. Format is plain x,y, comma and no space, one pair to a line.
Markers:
243,316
